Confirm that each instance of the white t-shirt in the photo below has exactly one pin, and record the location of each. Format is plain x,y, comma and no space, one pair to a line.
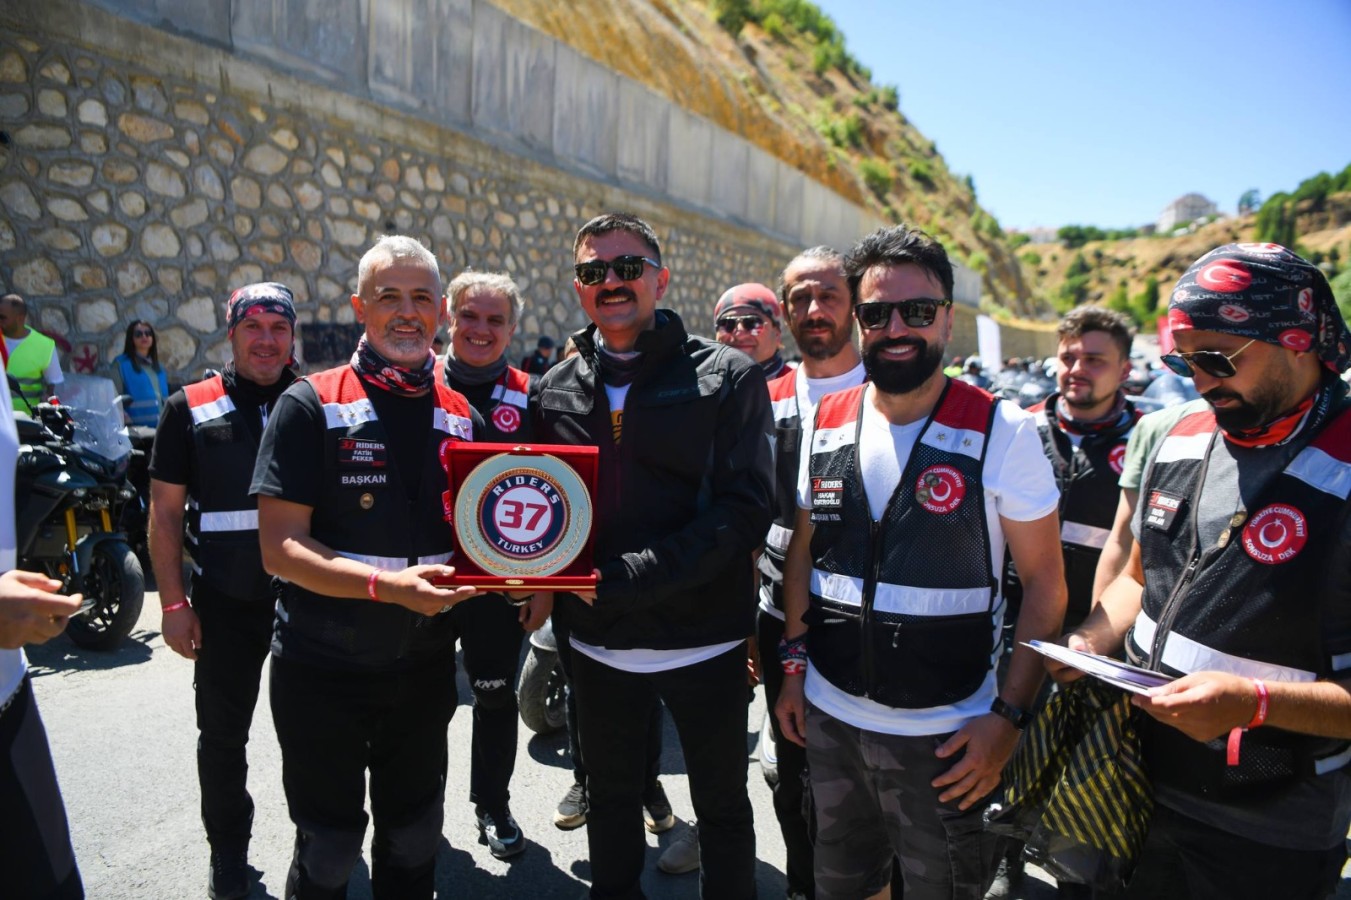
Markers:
51,374
12,662
1019,485
643,660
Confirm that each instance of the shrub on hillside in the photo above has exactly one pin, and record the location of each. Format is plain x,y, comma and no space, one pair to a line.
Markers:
877,175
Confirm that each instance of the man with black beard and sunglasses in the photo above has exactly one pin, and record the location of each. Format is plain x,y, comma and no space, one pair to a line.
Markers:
910,488
1239,585
686,484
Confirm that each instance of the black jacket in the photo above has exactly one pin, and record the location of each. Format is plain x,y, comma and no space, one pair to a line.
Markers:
683,499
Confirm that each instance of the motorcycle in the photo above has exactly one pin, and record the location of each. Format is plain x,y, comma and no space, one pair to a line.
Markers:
70,487
540,689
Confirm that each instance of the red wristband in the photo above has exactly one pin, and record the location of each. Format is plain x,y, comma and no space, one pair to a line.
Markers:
175,607
1263,702
371,585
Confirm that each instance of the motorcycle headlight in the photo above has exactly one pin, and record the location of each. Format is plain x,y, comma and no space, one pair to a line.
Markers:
126,493
79,492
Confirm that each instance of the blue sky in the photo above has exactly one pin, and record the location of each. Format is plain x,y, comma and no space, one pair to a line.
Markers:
1100,113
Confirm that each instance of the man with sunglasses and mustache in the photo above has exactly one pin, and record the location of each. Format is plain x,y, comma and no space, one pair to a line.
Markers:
686,483
911,487
747,317
1239,584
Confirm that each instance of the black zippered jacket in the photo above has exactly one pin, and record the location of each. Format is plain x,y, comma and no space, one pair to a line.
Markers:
684,497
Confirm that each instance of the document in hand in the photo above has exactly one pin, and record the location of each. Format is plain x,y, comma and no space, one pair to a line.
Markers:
1119,674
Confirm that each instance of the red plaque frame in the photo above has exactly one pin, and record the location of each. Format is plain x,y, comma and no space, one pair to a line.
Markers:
462,457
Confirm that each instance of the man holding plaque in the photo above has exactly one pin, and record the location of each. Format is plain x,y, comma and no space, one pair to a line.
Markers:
353,515
685,438
482,309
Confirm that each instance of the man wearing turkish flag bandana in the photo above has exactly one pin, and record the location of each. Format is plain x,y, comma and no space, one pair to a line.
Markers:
1239,585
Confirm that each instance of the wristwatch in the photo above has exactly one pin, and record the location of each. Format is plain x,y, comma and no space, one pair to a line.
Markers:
1020,718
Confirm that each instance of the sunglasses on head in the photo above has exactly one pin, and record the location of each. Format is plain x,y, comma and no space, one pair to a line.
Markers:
919,313
627,268
729,324
1212,362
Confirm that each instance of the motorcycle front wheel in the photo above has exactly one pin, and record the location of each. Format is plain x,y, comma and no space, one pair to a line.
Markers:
117,584
540,692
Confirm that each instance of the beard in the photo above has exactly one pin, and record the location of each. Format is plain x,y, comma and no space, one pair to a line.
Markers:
1267,404
820,347
902,377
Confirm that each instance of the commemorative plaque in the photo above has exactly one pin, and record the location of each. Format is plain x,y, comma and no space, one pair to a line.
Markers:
522,515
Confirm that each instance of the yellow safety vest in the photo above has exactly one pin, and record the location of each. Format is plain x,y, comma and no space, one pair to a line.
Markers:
27,362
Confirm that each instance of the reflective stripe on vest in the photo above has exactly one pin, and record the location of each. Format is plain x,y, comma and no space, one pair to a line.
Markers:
1185,654
213,409
1084,535
396,563
778,538
902,600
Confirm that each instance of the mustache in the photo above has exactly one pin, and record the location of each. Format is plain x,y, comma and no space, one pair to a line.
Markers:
886,343
624,292
1214,394
817,323
421,328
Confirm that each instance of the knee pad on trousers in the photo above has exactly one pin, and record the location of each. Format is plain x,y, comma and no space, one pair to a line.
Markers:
326,856
493,693
410,845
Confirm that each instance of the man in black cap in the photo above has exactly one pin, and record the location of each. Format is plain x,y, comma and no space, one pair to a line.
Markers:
200,470
539,362
1239,585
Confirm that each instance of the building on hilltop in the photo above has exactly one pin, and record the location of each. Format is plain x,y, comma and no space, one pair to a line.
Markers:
1185,209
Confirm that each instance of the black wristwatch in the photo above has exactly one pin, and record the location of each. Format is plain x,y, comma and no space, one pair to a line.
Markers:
1020,718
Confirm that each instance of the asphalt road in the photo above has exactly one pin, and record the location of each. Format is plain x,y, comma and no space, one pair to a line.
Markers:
122,732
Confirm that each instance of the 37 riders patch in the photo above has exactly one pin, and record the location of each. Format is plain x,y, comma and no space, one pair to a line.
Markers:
827,493
362,463
1161,510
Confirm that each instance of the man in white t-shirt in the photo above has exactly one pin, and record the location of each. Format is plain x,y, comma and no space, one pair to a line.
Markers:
685,443
910,489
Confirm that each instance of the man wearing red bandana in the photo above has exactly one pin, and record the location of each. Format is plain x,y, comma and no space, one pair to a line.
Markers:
1239,585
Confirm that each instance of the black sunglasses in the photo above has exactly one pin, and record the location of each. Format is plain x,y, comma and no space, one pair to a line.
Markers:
1212,362
919,313
627,268
141,332
752,324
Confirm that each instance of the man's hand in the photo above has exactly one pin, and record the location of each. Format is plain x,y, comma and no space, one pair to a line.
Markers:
182,631
31,610
589,597
1064,673
791,710
412,588
1203,705
536,611
752,661
989,741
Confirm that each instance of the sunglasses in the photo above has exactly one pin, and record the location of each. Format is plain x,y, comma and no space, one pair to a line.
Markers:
1212,362
141,332
752,324
876,314
627,268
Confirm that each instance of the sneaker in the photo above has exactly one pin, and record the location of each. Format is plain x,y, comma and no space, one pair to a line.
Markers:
1008,877
500,832
572,811
228,877
657,815
683,854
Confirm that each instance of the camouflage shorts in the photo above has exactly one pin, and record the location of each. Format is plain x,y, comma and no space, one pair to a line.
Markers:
874,801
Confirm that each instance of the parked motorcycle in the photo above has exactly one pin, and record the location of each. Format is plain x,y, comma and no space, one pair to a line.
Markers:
70,487
540,690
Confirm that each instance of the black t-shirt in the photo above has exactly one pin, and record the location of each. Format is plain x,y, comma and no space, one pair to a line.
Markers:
289,459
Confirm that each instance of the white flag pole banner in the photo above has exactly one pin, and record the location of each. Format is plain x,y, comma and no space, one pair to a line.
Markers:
987,339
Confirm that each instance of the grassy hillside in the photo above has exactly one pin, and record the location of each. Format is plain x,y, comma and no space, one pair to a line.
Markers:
777,72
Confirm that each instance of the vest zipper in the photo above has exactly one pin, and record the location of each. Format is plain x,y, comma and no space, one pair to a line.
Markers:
866,607
1170,609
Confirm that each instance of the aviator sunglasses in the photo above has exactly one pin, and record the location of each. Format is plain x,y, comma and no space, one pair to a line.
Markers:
627,268
919,313
1212,362
141,332
752,324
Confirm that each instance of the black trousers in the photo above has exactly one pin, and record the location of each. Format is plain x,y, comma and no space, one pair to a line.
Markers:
36,859
790,793
1183,858
333,727
707,702
654,724
490,644
236,635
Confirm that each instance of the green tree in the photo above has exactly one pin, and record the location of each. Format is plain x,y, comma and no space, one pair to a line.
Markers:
1249,201
1119,300
1144,306
732,15
1341,289
877,176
